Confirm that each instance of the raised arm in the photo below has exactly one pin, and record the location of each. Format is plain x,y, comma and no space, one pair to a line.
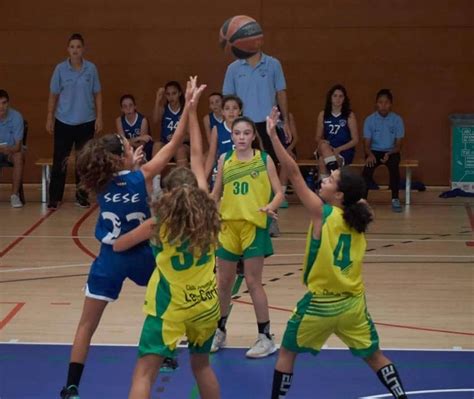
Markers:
197,159
211,155
161,159
136,236
310,200
158,110
217,190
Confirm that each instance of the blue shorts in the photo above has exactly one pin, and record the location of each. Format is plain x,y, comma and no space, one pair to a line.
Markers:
110,269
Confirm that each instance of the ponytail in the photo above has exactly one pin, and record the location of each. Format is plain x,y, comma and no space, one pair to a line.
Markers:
357,214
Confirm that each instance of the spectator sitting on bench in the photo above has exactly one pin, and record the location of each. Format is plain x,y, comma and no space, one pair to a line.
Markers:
336,132
11,150
383,133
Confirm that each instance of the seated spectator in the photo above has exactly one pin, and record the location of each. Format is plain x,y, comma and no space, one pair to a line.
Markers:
134,126
11,140
383,133
336,132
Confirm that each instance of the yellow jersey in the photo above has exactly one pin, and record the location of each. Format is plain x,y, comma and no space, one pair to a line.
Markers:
182,287
333,264
247,188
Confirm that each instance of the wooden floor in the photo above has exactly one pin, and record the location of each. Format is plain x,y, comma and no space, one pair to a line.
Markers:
418,273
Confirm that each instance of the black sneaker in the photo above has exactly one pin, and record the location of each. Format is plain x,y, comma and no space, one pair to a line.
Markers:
53,205
83,203
169,365
71,392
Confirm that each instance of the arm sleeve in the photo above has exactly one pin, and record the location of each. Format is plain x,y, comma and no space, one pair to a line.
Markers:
55,84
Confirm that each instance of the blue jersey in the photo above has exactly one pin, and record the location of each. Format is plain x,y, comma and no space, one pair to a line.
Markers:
123,206
213,121
132,130
224,139
169,123
337,132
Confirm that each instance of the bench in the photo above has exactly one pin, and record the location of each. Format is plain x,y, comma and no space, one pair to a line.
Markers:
46,164
407,164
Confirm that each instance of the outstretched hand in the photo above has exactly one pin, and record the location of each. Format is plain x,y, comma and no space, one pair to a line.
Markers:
138,156
272,121
190,88
269,211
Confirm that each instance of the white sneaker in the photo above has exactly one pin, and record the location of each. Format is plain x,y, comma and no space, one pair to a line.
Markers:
262,347
15,201
218,341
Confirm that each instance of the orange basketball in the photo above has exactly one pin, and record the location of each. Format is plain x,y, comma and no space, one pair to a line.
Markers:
241,36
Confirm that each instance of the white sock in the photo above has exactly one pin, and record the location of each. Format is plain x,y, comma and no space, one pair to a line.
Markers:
331,158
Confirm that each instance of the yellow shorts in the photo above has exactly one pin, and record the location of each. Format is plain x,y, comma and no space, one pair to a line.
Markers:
239,238
161,337
313,321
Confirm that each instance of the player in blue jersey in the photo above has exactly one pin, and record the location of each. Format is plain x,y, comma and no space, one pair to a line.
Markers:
336,132
134,126
106,167
214,117
221,134
167,113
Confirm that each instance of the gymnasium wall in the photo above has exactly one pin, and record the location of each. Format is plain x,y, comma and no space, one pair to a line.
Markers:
421,49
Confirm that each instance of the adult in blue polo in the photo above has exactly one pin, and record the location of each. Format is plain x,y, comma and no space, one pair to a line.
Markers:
383,135
74,115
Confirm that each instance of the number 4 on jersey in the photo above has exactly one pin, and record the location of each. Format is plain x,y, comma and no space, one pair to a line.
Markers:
342,253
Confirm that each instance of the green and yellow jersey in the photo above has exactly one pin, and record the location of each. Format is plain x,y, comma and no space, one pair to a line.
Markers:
247,188
333,264
183,286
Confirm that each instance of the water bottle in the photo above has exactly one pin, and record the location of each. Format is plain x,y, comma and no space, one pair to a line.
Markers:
310,179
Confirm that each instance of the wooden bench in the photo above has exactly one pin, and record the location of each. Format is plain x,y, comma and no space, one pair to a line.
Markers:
46,164
407,164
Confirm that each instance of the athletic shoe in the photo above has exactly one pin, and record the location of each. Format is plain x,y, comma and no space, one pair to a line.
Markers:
274,230
169,365
396,207
284,204
53,205
218,341
15,201
71,392
82,203
263,347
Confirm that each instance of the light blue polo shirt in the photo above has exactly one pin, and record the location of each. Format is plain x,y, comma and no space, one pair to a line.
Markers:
256,86
76,89
383,131
11,128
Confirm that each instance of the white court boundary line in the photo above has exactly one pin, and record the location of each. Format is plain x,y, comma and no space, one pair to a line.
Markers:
273,239
15,342
394,256
389,395
29,269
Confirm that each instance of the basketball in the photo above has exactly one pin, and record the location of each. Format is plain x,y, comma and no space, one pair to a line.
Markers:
241,36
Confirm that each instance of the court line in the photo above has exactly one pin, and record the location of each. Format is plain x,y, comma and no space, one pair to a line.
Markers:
332,348
75,231
26,269
428,240
389,395
26,233
43,278
378,323
394,256
11,314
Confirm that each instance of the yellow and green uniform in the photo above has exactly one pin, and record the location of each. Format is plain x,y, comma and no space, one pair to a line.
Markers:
246,189
335,301
181,298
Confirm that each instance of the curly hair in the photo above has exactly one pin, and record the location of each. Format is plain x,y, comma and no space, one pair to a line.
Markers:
346,105
99,160
187,213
